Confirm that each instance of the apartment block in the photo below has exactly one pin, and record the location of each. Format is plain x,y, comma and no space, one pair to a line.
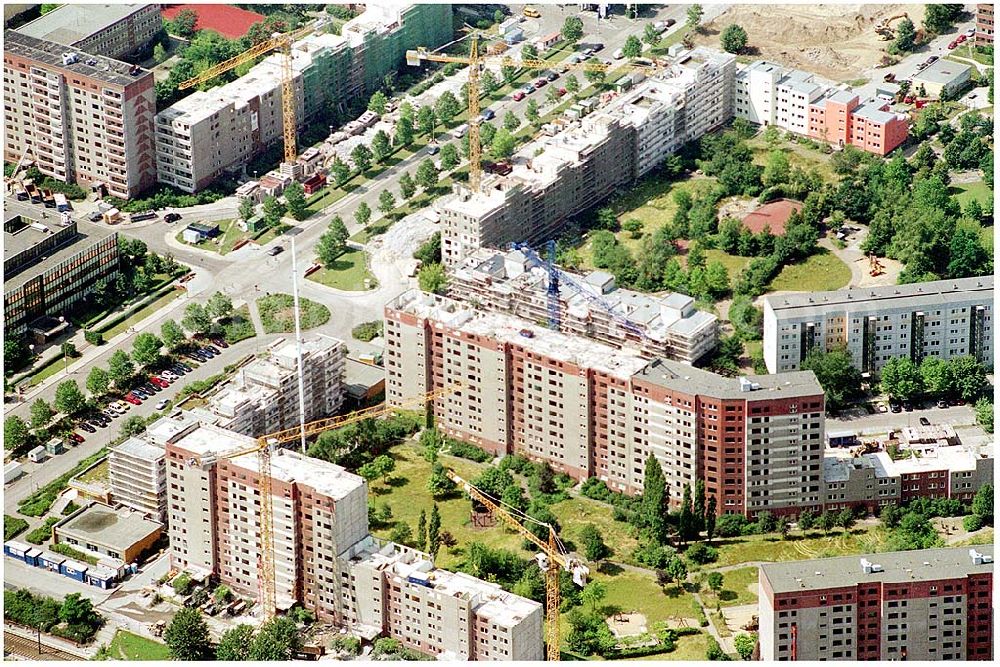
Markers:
396,591
115,31
556,177
796,101
943,318
210,132
510,282
138,476
80,118
984,24
932,604
591,410
263,396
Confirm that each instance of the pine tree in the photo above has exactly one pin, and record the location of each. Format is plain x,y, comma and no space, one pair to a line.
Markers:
654,501
710,519
433,532
699,504
422,531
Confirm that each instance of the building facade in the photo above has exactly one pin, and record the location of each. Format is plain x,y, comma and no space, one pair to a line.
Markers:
590,410
209,132
793,100
943,318
138,475
79,118
984,24
115,31
510,282
557,177
934,604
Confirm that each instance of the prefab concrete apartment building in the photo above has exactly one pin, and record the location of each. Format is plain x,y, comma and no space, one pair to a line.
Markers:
769,94
557,177
943,318
932,604
591,410
509,282
111,30
79,117
325,559
209,132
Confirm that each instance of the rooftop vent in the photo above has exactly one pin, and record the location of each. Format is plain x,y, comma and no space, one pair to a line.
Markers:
69,58
979,558
869,567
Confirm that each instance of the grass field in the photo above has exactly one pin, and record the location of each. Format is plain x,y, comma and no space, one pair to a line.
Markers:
964,192
734,263
689,648
128,646
735,588
348,273
229,234
820,272
771,548
142,314
798,155
276,313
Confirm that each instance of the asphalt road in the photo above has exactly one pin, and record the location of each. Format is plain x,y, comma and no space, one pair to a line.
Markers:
883,422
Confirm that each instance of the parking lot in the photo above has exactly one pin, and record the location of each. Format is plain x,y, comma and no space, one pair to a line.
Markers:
879,424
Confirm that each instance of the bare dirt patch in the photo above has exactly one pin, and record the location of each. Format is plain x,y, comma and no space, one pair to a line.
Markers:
834,41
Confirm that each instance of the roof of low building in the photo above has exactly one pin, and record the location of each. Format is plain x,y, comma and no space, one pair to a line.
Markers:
773,215
118,528
72,23
943,71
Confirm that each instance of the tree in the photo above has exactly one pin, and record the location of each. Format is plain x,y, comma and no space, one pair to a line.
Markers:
41,413
510,121
196,319
432,278
906,36
362,157
219,306
733,38
427,174
187,636
404,131
97,382
406,184
120,368
746,643
650,35
969,256
333,242
984,414
488,82
845,518
447,107
572,29
836,373
439,484
69,398
777,169
434,532
246,209
676,569
698,506
531,112
133,425
401,534
572,84
339,170
513,496
273,211
653,503
716,279
449,158
384,465
378,102
935,374
427,120
386,202
595,76
594,547
295,200
422,531
503,144
146,349
694,14
632,47
938,18
710,512
15,353
171,334
15,432
363,214
982,503
900,378
278,639
969,377
688,526
235,643
715,581
593,593
806,520
184,23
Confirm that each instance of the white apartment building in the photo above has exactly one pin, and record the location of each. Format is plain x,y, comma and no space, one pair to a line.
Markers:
943,318
396,591
112,30
263,396
554,178
138,476
510,282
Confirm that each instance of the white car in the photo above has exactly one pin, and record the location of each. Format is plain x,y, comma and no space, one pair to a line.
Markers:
162,404
971,32
168,375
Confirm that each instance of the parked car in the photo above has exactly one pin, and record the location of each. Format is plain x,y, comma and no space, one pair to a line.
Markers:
95,216
895,407
587,52
971,32
597,47
159,382
168,375
76,437
171,217
908,406
151,388
551,76
518,95
942,403
924,421
952,45
109,413
489,114
921,66
181,368
961,39
162,404
932,60
96,423
540,82
120,405
276,250
87,427
214,350
461,130
133,399
882,407
618,54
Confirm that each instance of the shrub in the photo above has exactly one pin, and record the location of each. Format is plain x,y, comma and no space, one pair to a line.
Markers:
44,532
70,552
93,337
701,554
70,508
183,584
972,522
466,451
12,527
367,331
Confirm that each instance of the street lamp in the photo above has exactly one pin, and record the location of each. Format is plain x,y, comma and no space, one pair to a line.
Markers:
65,349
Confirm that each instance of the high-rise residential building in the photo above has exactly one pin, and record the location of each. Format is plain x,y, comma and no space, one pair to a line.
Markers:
111,30
49,267
932,604
591,410
943,318
324,557
80,118
557,177
510,282
137,472
263,396
210,132
769,94
984,24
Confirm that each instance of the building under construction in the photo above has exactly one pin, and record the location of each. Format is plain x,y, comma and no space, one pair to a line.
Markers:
212,131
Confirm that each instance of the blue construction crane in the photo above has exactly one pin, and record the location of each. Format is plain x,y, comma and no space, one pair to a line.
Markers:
558,277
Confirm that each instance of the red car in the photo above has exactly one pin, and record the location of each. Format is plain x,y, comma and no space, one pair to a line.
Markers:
133,399
518,96
159,382
562,91
540,83
960,39
76,437
952,45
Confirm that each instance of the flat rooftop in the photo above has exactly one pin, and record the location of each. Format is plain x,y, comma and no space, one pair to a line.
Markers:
118,528
24,227
930,293
73,23
899,567
681,377
140,448
943,71
113,72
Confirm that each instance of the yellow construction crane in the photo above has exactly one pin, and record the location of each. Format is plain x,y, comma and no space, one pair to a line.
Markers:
267,443
279,42
475,61
555,559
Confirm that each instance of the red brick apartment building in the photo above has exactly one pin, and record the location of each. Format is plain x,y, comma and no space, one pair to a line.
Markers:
590,410
934,604
984,24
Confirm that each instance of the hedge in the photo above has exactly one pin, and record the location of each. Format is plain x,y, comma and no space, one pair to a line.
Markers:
70,552
201,386
166,286
39,502
44,532
13,526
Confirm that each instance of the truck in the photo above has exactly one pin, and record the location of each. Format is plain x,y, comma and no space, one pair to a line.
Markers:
62,204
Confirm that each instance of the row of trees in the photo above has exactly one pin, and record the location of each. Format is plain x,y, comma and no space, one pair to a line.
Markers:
187,638
934,377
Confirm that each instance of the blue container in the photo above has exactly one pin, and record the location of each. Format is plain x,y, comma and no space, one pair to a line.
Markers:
74,570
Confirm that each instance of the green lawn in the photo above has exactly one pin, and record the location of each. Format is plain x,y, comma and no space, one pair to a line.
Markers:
128,646
143,313
578,512
965,192
240,326
689,648
348,273
798,155
272,233
277,313
734,263
820,272
771,548
229,234
735,588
